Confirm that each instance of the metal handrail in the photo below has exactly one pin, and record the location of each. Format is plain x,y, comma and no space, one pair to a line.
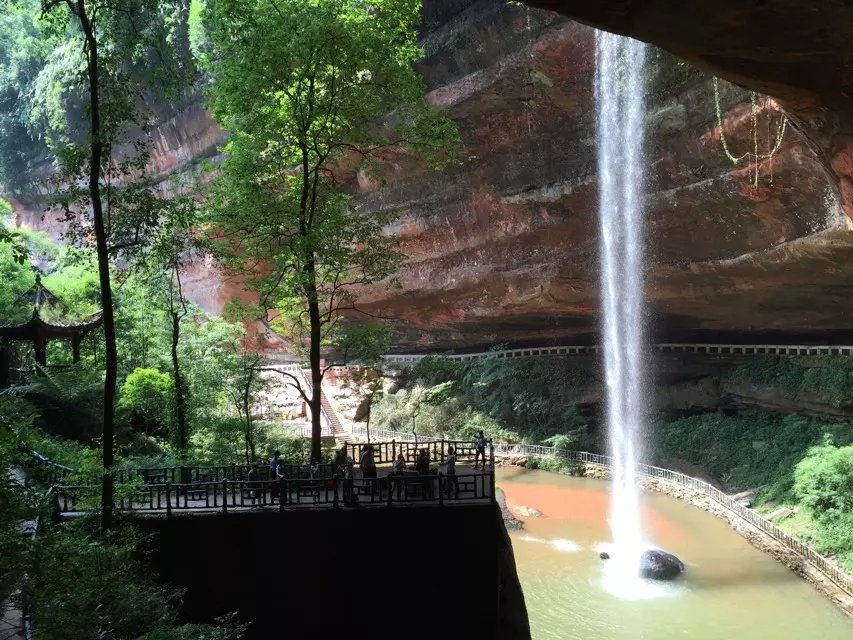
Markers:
826,566
668,347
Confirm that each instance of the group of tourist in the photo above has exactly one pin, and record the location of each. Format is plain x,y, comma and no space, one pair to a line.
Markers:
344,466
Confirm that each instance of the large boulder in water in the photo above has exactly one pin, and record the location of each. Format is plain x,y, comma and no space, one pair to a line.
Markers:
660,565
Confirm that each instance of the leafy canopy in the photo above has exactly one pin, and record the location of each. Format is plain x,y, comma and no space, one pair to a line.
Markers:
311,90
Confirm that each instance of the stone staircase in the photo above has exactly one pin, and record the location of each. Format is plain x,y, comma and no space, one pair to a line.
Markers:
338,431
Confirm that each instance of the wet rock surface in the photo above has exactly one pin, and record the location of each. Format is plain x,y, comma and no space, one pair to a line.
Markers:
660,565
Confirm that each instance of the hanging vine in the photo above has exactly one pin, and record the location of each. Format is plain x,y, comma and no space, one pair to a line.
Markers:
752,157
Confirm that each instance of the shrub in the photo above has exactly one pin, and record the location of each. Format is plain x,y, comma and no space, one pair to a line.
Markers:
744,451
149,396
825,376
556,464
433,370
823,482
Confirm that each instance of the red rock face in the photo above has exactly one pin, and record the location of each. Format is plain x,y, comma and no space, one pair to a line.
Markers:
504,248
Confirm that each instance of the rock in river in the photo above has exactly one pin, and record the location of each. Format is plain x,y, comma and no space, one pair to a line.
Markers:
660,565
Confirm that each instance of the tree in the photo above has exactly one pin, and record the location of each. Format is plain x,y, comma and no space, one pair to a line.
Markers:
148,394
117,40
310,89
24,51
243,385
172,249
368,343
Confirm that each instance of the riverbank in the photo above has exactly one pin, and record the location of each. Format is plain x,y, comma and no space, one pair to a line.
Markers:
759,539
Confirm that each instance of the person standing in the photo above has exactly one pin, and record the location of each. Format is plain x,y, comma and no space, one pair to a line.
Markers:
254,478
399,471
368,467
348,469
480,443
450,471
275,475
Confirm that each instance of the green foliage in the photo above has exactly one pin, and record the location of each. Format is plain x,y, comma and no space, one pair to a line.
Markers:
347,91
823,480
823,483
827,377
23,53
149,395
555,464
433,370
749,450
535,397
69,400
527,400
80,587
198,40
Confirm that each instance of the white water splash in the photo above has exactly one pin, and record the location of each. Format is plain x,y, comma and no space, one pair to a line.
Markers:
559,544
620,101
566,546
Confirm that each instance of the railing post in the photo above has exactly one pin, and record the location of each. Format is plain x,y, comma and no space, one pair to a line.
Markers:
168,499
492,497
282,488
393,450
225,495
440,489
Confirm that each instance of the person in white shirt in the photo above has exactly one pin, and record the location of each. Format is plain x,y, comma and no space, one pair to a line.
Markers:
450,471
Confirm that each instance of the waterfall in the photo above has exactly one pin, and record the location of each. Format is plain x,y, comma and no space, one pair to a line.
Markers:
619,90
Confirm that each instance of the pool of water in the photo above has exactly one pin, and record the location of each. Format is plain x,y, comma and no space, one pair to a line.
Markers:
730,591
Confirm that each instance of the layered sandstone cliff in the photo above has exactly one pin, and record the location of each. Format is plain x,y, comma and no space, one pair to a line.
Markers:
504,248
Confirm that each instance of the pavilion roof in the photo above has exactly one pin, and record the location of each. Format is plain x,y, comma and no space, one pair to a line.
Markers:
51,316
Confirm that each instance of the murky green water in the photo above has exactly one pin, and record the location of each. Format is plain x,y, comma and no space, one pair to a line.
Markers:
731,591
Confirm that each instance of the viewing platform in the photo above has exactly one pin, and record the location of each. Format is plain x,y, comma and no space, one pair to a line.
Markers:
168,491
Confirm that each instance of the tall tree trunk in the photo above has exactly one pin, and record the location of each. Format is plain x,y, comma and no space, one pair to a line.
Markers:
247,401
369,411
180,408
316,372
111,353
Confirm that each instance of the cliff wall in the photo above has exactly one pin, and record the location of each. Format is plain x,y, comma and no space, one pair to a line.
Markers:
504,248
369,573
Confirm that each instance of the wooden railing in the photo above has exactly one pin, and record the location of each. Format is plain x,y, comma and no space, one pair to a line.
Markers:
168,498
45,470
387,452
194,487
191,474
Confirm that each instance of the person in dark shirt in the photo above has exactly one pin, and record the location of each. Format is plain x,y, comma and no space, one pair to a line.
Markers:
422,463
480,443
367,462
254,484
275,468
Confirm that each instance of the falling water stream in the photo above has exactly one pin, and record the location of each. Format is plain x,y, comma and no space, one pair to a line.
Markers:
619,90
